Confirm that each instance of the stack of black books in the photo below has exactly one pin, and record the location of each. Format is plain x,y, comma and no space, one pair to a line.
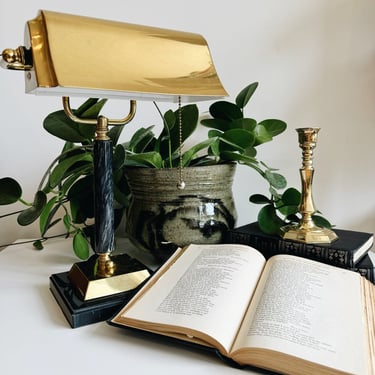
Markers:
351,250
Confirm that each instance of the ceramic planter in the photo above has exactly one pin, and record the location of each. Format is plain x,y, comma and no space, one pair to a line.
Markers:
162,217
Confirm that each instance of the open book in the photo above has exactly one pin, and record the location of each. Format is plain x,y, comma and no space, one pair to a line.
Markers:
289,314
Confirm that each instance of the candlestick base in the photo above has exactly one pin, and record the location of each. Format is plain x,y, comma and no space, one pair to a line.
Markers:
312,234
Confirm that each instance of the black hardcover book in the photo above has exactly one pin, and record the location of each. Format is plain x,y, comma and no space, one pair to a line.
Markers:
366,267
346,251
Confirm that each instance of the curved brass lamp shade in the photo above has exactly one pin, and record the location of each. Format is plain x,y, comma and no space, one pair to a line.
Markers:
76,55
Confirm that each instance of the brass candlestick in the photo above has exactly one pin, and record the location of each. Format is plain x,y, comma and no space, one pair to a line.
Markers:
306,231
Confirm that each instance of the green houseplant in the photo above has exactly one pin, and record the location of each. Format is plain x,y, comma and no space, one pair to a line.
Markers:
66,190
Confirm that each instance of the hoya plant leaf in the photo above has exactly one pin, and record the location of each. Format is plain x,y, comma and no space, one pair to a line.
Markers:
77,214
288,203
45,217
268,220
244,123
259,199
29,215
87,131
81,246
189,119
10,191
169,119
216,123
91,108
59,171
38,245
225,110
81,198
193,151
250,152
213,133
115,133
276,180
140,140
59,125
241,158
46,221
236,139
274,127
245,94
121,190
293,218
261,135
67,222
85,106
321,222
118,157
287,210
291,196
77,173
120,196
146,159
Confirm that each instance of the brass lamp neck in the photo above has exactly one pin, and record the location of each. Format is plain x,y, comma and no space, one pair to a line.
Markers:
111,122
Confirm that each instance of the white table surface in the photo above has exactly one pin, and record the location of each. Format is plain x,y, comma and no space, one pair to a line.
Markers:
35,337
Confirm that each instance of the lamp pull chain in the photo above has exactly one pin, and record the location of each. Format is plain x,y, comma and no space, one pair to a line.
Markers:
181,182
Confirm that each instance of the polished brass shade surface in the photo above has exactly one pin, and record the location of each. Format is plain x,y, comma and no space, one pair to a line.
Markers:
74,55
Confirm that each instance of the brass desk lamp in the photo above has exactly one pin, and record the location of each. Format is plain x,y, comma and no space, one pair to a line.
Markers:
68,55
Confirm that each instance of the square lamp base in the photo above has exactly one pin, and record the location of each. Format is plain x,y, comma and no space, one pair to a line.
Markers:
80,312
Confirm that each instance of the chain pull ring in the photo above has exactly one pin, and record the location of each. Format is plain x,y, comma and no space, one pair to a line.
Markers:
181,182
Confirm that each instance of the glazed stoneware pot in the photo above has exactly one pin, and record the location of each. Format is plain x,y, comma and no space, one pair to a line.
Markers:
161,217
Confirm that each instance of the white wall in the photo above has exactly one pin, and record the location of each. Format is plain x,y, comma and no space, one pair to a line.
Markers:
314,59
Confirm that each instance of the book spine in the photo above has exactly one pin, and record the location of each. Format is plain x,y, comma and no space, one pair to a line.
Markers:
367,272
270,246
337,257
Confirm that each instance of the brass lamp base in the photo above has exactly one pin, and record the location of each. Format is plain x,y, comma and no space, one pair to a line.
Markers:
312,234
105,295
128,274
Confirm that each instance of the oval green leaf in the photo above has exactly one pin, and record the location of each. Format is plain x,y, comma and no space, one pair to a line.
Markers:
259,199
291,196
321,222
58,173
276,180
59,125
268,220
274,127
145,159
29,215
225,111
45,215
10,191
81,246
245,94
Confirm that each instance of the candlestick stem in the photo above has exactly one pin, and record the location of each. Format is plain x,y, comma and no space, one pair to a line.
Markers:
306,231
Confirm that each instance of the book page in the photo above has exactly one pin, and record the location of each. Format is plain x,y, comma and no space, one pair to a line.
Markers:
207,289
309,310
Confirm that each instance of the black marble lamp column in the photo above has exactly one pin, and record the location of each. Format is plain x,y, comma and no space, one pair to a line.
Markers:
104,222
104,218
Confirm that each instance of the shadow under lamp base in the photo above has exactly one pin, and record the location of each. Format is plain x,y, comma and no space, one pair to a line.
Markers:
85,298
